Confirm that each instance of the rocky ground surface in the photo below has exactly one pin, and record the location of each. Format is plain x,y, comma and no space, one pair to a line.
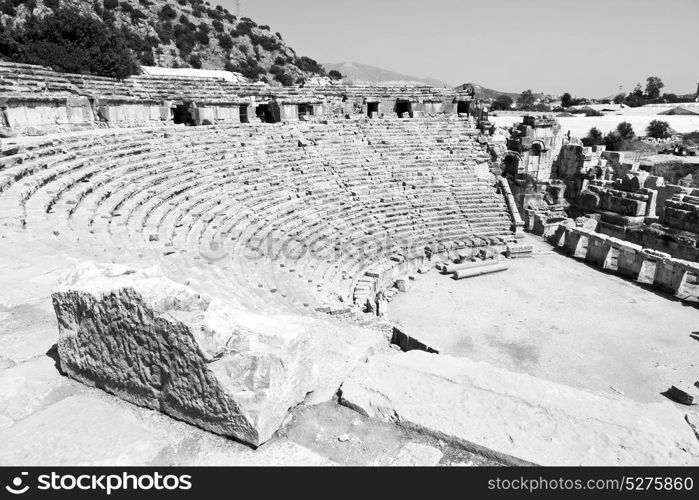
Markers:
49,419
559,319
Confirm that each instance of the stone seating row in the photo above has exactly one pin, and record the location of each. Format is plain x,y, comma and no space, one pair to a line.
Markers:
170,196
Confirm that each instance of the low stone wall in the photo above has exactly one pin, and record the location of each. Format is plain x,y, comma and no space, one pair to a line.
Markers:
643,265
517,222
37,112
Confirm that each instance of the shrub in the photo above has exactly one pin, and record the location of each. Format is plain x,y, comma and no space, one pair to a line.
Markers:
243,28
108,4
284,79
225,42
165,32
167,13
126,7
8,8
267,43
335,74
593,112
658,129
309,65
249,68
594,137
625,131
137,15
501,102
146,58
185,39
202,38
217,25
613,141
195,61
73,42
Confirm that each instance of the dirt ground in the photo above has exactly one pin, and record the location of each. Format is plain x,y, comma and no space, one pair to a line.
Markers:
559,319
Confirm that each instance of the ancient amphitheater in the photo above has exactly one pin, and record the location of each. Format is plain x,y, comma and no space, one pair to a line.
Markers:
199,271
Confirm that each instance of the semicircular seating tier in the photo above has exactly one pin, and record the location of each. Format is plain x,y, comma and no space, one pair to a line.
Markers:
270,216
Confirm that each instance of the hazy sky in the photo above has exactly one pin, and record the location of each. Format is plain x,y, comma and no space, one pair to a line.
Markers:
586,47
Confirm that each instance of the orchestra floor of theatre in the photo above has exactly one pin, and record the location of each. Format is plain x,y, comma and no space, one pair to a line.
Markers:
559,319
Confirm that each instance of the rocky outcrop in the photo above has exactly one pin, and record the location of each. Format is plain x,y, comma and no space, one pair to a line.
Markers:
162,345
516,418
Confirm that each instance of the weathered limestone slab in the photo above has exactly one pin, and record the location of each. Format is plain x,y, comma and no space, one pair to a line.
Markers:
684,393
576,242
31,386
417,455
598,249
84,430
162,345
627,258
276,453
517,418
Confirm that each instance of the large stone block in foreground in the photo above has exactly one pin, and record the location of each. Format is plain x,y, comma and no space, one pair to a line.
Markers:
162,345
517,418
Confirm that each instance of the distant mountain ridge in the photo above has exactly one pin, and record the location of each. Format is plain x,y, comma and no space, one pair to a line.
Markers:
486,93
363,73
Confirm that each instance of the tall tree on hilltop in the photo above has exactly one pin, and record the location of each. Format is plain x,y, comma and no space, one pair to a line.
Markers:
566,100
503,101
653,86
526,99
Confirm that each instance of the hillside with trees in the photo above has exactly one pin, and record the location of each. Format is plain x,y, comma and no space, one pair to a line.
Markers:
115,37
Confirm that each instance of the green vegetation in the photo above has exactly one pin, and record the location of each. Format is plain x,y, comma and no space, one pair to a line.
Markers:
625,131
622,139
120,34
659,129
502,102
70,41
527,102
309,65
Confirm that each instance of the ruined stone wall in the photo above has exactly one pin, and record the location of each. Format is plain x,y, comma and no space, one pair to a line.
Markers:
38,113
643,265
131,114
227,113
